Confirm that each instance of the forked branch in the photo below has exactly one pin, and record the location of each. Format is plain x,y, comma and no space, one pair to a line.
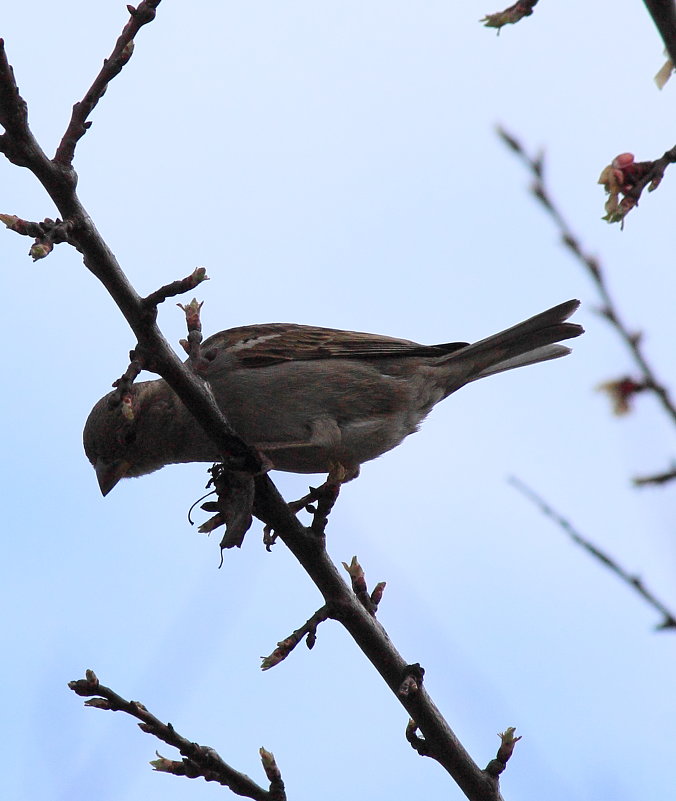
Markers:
59,180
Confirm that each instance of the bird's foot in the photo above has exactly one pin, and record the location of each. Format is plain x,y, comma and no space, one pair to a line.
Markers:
320,500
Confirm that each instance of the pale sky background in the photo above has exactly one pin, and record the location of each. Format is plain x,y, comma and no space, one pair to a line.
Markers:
335,163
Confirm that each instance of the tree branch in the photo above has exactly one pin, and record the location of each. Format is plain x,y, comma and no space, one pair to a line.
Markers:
199,760
59,180
663,13
372,639
624,180
285,646
658,478
649,380
112,66
510,16
669,620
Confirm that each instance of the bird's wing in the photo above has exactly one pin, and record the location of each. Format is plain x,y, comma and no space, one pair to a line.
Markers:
271,343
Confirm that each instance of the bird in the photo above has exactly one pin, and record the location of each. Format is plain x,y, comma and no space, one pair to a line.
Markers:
310,399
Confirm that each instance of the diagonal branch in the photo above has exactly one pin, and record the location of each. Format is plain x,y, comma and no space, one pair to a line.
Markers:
112,66
591,264
59,180
199,760
669,619
372,639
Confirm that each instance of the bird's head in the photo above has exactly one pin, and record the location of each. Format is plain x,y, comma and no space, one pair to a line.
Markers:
116,437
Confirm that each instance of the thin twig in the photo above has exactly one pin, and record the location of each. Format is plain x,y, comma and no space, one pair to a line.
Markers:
511,15
112,66
358,579
307,630
507,742
178,287
47,233
669,621
654,175
198,761
631,339
658,478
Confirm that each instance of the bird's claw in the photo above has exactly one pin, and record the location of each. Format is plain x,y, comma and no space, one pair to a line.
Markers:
319,502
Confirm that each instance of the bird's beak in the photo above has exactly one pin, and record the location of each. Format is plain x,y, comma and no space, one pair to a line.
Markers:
109,473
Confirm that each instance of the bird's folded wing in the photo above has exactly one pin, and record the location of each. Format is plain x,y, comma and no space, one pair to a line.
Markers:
271,343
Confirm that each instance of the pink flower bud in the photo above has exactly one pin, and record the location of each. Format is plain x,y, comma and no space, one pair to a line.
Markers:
623,161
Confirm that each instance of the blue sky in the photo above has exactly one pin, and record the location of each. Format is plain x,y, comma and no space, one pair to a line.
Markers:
336,164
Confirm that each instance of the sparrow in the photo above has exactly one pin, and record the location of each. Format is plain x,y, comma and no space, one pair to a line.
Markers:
312,400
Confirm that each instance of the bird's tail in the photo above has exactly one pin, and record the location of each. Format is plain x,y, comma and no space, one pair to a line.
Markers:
534,340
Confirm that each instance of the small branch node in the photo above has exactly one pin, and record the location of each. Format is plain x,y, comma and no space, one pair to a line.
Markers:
359,587
47,233
419,744
178,287
412,680
285,646
193,344
507,743
123,384
625,179
621,392
274,775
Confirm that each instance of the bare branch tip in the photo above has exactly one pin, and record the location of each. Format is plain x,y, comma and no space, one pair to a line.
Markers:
510,16
509,140
270,767
412,680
